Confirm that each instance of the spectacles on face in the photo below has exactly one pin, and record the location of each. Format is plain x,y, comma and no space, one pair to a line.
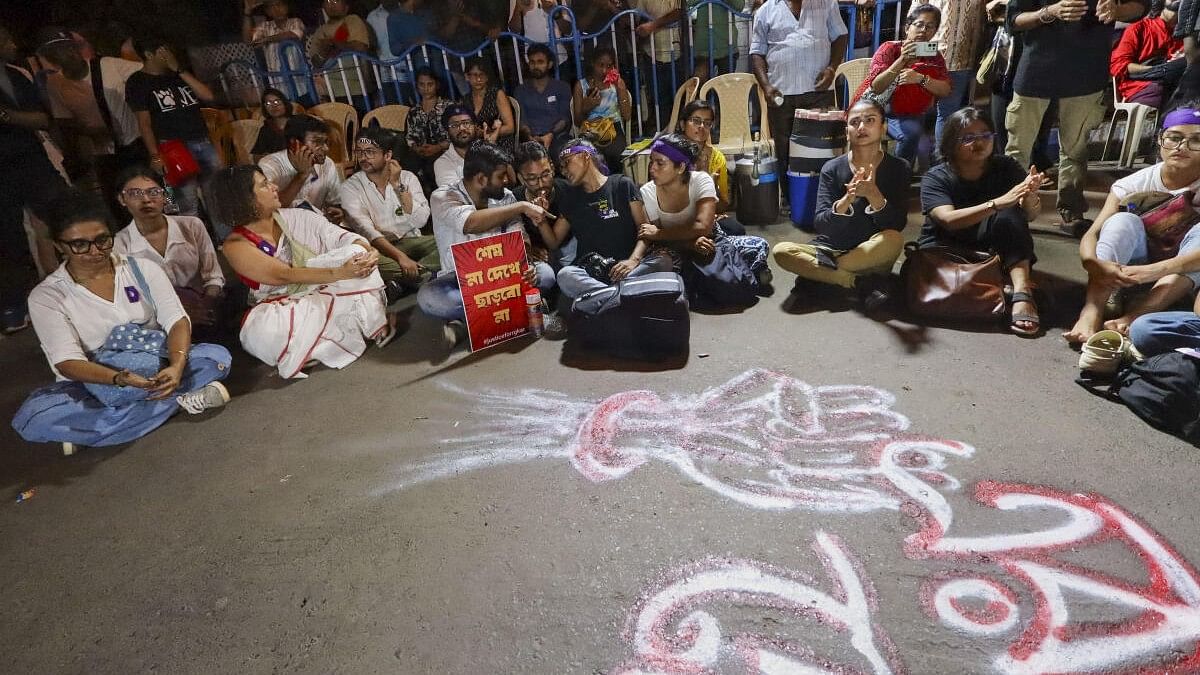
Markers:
461,124
139,193
369,153
542,177
701,122
922,25
80,246
273,102
1173,140
968,139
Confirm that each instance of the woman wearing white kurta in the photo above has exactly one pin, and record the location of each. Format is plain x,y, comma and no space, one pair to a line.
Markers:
178,244
316,291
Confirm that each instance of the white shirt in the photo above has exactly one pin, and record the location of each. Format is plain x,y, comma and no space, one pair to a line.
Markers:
451,206
796,50
1149,179
114,73
448,169
700,187
72,322
190,260
536,23
374,215
377,19
320,188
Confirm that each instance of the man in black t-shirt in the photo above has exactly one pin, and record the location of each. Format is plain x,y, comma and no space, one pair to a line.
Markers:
604,213
1065,56
535,170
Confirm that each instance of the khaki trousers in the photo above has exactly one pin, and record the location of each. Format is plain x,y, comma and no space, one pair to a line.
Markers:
1077,116
875,255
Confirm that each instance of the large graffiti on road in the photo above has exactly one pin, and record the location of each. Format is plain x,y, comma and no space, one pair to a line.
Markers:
768,441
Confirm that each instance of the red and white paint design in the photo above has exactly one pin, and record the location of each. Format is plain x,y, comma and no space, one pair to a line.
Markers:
673,629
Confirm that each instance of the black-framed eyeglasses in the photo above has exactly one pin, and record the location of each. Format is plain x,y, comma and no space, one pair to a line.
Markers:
367,152
80,246
701,122
138,193
968,139
1172,140
461,124
539,177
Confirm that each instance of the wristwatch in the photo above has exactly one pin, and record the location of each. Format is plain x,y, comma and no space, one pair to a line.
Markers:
991,205
924,80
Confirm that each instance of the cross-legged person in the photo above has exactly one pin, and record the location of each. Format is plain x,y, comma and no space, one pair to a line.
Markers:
306,175
861,211
696,121
540,185
463,129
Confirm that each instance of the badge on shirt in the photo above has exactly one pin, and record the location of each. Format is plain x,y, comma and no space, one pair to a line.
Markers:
132,294
552,99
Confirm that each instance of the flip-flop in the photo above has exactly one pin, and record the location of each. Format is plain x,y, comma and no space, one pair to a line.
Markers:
1021,296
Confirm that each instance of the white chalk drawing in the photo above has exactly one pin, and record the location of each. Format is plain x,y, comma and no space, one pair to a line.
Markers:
673,629
763,439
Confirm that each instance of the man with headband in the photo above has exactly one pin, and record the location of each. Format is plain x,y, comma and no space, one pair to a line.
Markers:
604,213
1120,250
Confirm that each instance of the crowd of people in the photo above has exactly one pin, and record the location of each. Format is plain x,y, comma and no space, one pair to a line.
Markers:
320,252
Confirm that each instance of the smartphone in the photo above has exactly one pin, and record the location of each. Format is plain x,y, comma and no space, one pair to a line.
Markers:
927,49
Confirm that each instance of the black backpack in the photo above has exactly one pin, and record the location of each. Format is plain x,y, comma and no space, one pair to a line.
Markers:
1163,390
645,317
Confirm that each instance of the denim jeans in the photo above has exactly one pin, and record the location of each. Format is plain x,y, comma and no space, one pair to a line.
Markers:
209,160
574,281
1123,240
1161,332
960,83
442,299
908,132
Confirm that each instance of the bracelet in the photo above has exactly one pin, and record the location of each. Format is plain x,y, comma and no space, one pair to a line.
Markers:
115,376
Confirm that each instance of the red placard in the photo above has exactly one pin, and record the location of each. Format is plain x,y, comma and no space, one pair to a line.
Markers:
490,280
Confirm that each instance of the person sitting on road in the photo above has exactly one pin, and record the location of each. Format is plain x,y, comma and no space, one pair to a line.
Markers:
860,214
385,204
178,244
914,82
696,121
602,104
603,212
477,206
92,299
276,111
982,201
317,295
1118,251
680,207
539,185
305,173
464,130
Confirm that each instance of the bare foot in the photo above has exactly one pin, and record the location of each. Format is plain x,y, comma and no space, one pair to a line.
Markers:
1121,323
1085,327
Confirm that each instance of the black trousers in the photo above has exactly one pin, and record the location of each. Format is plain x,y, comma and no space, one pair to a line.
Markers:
26,181
1005,233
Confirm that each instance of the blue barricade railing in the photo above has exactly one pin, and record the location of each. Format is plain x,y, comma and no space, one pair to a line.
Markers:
651,64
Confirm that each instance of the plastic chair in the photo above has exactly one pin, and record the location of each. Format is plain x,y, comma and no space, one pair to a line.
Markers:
516,108
733,100
854,73
244,134
214,120
394,117
343,123
256,111
1137,115
683,96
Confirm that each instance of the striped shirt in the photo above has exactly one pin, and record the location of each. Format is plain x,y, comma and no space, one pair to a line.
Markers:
796,50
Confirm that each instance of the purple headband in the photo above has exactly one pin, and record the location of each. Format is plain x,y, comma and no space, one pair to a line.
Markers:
1181,116
671,152
591,152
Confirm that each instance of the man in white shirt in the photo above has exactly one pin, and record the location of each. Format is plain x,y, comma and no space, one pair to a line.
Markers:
794,51
385,204
477,206
536,22
304,173
463,130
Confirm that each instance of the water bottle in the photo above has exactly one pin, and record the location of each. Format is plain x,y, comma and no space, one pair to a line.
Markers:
533,308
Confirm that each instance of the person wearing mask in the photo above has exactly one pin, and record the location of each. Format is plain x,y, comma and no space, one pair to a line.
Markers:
80,312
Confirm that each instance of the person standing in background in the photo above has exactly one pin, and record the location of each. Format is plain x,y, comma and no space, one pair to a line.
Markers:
957,38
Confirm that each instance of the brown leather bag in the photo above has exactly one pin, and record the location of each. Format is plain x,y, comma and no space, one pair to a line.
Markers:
942,282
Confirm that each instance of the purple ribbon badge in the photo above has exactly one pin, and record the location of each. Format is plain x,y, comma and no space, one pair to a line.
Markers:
132,294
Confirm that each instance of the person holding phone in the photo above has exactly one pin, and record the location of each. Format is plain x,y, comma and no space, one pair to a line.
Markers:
907,77
602,104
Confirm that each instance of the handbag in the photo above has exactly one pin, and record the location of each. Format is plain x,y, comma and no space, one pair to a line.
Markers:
995,60
944,282
1167,218
133,347
602,130
179,166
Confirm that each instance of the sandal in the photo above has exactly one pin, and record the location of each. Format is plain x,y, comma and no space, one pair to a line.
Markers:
1022,296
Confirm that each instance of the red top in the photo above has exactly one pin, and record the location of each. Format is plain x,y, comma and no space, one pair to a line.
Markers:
1142,40
908,99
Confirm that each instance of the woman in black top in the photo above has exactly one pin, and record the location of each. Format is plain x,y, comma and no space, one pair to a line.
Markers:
982,201
276,110
490,105
861,210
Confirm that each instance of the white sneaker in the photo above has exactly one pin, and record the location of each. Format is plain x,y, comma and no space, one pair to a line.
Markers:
453,332
212,395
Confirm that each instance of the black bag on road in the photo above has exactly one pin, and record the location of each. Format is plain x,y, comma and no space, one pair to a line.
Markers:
641,317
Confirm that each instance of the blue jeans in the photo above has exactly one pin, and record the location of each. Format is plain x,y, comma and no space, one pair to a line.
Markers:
574,281
907,131
209,161
1162,332
66,412
960,83
1123,240
441,298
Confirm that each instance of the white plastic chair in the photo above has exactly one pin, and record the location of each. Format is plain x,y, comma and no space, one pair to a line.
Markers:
1137,116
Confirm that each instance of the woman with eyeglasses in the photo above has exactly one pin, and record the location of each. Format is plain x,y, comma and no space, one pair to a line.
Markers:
316,291
602,103
862,207
178,244
81,311
982,201
908,83
276,111
492,108
1120,250
696,121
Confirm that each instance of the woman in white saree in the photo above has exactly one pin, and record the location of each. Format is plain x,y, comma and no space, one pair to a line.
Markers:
316,293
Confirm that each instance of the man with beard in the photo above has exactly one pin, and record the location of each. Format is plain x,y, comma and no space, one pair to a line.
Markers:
384,203
535,170
545,102
477,206
604,213
304,173
463,130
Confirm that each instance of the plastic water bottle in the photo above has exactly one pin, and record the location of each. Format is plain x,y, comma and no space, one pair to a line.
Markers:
533,308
